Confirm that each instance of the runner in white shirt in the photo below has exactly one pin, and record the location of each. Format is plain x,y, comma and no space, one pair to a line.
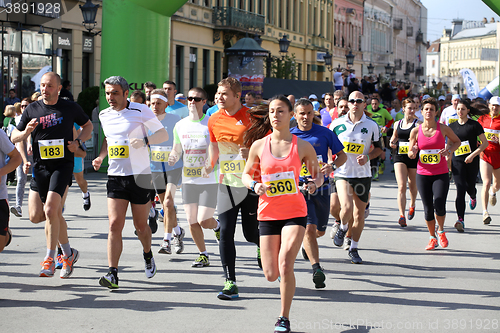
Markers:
125,125
353,179
199,190
450,110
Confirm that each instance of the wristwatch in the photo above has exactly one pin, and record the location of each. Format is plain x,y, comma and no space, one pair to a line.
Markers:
252,185
334,167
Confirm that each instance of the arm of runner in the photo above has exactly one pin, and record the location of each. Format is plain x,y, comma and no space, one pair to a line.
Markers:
175,154
479,150
213,156
24,155
253,163
18,135
96,163
339,161
14,161
310,160
86,131
450,147
394,138
244,151
412,153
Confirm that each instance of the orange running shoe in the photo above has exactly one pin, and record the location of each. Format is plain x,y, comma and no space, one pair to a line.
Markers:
48,267
411,213
433,243
443,241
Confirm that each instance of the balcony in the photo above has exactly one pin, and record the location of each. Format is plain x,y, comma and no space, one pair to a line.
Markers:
229,18
398,24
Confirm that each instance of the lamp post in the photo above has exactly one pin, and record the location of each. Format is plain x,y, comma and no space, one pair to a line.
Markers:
328,60
284,43
388,69
89,12
370,68
406,76
349,58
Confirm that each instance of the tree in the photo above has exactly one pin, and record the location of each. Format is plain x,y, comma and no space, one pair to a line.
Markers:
283,68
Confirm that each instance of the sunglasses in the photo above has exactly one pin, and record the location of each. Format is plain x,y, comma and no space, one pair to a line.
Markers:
196,99
23,106
358,100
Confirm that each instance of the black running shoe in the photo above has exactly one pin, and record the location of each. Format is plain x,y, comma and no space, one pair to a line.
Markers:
152,222
319,278
355,258
338,240
109,280
282,325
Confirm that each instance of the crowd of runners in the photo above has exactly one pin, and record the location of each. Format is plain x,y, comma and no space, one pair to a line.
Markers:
283,165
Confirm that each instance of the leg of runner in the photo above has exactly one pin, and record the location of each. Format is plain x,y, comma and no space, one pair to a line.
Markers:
412,184
194,227
345,194
35,207
486,176
117,209
82,183
140,214
401,177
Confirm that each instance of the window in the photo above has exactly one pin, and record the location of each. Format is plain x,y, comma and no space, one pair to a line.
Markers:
206,67
179,65
433,63
193,67
217,67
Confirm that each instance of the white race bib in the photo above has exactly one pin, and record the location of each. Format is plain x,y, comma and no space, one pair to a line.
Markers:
281,183
403,148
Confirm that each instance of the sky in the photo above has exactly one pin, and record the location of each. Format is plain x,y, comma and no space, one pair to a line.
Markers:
440,13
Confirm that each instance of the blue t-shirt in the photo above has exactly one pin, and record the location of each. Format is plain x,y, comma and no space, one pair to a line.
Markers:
168,122
315,105
321,138
179,109
326,119
212,110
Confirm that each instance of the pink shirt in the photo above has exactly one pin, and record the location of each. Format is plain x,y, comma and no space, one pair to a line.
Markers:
430,162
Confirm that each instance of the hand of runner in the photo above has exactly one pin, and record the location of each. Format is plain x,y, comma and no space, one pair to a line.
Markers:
31,125
243,152
26,167
394,144
96,163
260,188
362,159
73,146
469,159
310,187
413,152
172,158
326,168
137,143
445,152
494,139
205,171
29,149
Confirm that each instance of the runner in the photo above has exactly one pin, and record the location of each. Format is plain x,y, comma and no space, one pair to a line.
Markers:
7,149
227,127
166,177
490,158
318,204
124,125
282,209
199,192
78,173
50,123
404,167
428,139
353,179
465,161
383,118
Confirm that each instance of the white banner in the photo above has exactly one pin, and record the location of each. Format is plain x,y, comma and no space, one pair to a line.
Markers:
470,83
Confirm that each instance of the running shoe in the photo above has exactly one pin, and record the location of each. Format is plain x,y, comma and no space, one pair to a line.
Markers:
48,267
486,218
282,325
347,243
217,232
259,258
493,199
443,241
17,211
381,168
374,174
160,216
319,278
150,268
152,222
179,241
433,243
9,233
367,211
229,291
338,240
472,203
459,225
68,263
304,254
59,261
86,203
165,247
109,280
402,221
335,227
411,213
355,258
201,261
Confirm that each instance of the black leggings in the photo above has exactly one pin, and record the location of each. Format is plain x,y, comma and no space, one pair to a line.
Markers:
433,190
465,179
230,200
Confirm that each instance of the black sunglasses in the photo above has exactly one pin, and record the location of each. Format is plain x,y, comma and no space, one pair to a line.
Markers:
358,100
23,106
196,99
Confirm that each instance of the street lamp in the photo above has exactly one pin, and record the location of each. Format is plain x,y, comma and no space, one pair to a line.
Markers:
328,60
370,68
388,69
258,40
349,58
284,44
393,74
406,76
434,84
89,12
445,87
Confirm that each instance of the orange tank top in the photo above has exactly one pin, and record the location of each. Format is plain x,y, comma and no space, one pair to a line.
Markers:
283,200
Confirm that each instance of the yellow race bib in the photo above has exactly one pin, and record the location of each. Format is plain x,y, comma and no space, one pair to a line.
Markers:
403,148
160,153
354,148
51,149
231,163
118,149
489,133
282,183
304,172
463,149
430,156
192,172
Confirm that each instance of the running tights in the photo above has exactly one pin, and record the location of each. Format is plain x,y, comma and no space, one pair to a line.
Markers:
464,175
433,190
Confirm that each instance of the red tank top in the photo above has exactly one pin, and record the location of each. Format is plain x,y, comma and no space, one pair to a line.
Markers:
283,200
430,162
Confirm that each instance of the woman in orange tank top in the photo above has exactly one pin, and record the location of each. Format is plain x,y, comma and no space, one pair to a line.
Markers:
282,210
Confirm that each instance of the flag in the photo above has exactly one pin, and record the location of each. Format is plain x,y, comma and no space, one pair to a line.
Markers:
419,58
470,83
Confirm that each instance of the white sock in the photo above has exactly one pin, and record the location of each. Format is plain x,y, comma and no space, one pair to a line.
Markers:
177,230
354,245
344,227
66,249
85,195
218,226
152,212
50,254
491,192
205,253
167,236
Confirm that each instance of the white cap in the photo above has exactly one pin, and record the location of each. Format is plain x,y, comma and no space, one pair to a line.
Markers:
495,100
180,96
425,97
312,96
455,96
323,96
441,98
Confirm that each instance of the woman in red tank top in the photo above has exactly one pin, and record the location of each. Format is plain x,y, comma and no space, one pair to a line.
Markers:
282,210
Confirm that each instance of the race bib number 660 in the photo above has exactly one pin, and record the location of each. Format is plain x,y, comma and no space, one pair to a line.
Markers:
281,183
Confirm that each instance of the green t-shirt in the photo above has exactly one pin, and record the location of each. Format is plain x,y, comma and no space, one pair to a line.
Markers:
381,117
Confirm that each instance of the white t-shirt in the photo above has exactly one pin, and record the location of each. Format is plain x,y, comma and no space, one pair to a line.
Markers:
337,77
450,110
194,138
120,127
394,112
357,139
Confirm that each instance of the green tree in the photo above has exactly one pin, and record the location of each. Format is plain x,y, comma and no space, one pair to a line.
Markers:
284,68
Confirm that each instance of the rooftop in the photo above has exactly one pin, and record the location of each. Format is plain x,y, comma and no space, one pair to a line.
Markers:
488,29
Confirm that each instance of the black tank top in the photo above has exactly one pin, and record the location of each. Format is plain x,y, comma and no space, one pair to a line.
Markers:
404,134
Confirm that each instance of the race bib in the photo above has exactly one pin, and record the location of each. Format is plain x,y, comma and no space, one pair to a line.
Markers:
192,171
452,120
489,133
51,149
463,149
403,148
118,149
351,147
430,156
160,153
304,172
281,183
231,163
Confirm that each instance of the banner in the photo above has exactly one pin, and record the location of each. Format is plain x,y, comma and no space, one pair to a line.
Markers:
470,82
490,90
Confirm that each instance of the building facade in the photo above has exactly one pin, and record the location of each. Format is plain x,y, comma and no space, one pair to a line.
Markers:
433,61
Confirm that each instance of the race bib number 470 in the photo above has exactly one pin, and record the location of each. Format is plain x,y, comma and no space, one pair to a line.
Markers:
51,149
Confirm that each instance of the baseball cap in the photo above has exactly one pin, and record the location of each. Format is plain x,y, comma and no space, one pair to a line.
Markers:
180,97
323,96
313,96
441,98
455,96
495,100
425,97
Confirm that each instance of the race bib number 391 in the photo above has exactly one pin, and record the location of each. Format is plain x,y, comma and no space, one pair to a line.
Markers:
51,149
231,163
